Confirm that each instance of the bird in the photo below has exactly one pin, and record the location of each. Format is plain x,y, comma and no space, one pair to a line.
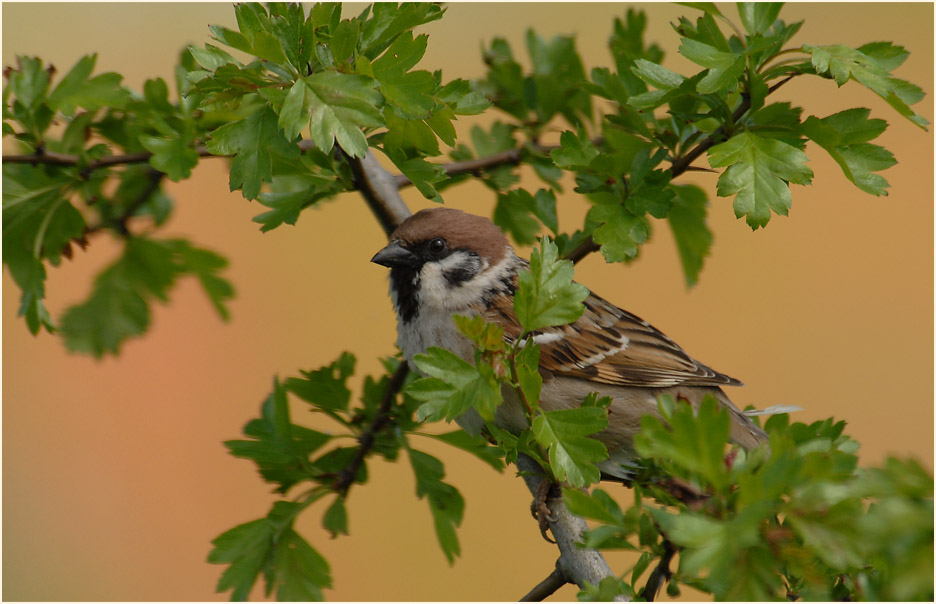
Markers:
446,262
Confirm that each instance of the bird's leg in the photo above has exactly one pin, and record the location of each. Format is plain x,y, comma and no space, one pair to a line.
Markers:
540,506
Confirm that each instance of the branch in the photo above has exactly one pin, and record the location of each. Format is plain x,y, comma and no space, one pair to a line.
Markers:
684,163
380,191
368,437
511,157
578,564
41,156
660,574
547,586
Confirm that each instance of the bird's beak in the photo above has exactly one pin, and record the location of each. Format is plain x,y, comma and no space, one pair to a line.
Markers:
395,255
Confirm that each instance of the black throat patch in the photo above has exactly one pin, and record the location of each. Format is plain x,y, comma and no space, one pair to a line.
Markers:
405,282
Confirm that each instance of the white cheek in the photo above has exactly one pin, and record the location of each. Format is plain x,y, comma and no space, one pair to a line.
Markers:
437,292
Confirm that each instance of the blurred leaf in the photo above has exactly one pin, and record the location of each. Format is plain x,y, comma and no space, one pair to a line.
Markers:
692,235
758,17
118,307
335,519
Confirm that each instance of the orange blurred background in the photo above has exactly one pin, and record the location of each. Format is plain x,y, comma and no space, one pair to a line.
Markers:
114,476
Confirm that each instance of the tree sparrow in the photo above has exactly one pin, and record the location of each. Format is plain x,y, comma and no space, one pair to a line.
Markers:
444,262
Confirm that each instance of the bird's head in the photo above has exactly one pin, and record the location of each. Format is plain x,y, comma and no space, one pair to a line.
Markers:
442,259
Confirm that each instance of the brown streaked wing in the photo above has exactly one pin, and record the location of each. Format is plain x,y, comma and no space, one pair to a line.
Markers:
612,346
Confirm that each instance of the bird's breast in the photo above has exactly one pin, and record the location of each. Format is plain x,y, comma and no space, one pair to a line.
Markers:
428,329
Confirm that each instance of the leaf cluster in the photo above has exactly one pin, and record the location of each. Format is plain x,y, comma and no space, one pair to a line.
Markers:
306,465
795,519
295,96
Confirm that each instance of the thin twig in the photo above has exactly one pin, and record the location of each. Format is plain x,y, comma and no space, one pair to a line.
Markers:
661,574
547,586
367,439
511,157
62,159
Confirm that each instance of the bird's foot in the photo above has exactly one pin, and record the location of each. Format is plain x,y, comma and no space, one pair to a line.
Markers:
540,507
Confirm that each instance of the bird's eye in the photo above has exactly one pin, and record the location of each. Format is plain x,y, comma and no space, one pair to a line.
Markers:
437,246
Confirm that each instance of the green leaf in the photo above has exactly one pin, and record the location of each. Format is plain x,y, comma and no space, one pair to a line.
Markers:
30,82
476,445
692,235
118,307
547,296
621,232
114,312
572,455
445,502
724,68
285,207
270,546
694,440
597,505
708,7
335,519
269,48
344,40
341,104
758,17
301,572
390,21
205,266
759,170
441,123
213,58
327,387
463,100
410,93
842,63
405,52
77,90
459,386
173,156
246,548
528,375
297,109
844,136
517,211
252,141
421,173
575,151
29,274
657,75
279,448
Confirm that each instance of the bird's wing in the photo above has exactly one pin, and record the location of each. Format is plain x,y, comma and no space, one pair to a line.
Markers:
611,346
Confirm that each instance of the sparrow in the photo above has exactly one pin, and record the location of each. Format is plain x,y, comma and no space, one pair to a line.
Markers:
445,262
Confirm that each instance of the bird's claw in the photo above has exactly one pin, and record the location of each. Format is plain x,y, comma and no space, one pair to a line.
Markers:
540,508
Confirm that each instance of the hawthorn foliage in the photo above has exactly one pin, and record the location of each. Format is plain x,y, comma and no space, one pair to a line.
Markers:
297,98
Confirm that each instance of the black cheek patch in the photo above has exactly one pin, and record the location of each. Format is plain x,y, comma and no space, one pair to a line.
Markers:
464,271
